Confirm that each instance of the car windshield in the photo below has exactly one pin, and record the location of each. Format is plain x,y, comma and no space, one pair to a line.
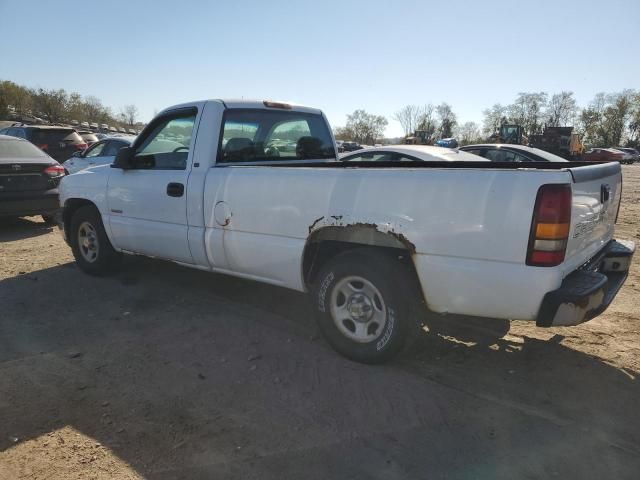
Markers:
19,149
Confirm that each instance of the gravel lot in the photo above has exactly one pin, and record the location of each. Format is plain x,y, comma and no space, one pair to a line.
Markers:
163,372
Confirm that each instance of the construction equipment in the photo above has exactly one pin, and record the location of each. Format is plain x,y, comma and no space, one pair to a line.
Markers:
510,133
419,137
561,141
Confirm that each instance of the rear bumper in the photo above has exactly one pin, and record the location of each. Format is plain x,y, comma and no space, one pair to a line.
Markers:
30,203
588,291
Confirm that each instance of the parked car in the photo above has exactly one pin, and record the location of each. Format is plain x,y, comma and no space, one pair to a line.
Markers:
104,127
84,124
89,137
131,131
506,152
447,143
369,242
94,127
410,153
351,146
606,155
101,153
635,155
29,180
58,142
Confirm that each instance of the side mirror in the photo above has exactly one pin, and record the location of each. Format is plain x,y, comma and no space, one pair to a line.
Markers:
124,159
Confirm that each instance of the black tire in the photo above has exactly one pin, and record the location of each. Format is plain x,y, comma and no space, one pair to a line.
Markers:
49,219
392,280
106,259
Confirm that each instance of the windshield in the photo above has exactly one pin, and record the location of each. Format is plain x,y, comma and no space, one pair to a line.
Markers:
20,149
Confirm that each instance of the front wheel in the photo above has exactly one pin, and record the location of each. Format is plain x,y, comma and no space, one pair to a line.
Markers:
91,247
363,304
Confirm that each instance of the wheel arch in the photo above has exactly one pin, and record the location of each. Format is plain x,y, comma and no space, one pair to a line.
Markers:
324,243
70,207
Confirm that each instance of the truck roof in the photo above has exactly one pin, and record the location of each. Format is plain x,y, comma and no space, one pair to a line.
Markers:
253,104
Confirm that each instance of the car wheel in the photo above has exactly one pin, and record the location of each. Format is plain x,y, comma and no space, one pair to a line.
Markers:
90,245
49,219
363,302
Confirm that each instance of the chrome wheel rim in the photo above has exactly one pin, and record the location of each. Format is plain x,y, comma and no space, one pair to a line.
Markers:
358,309
88,242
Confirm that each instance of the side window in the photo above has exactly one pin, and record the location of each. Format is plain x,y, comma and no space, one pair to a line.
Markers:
371,157
261,135
95,150
499,155
406,158
166,147
476,151
111,150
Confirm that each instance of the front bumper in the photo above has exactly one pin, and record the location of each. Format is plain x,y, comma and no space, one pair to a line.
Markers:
23,204
587,292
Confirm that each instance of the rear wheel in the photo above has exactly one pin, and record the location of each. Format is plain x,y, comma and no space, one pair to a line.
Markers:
363,303
91,247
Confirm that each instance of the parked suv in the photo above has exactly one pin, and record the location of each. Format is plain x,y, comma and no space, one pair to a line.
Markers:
58,142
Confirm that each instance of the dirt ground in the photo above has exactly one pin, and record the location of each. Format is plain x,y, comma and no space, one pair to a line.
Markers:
162,372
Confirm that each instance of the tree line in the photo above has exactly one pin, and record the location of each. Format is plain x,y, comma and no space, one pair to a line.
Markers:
610,119
60,106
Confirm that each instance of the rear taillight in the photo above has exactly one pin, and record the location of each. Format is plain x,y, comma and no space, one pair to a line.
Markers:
42,146
54,171
80,146
550,226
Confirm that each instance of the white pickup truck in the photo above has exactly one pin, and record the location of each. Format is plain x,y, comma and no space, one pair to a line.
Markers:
256,190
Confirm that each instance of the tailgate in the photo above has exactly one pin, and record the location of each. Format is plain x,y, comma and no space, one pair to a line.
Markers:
596,197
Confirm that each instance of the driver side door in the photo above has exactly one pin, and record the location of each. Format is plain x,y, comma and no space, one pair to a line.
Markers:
148,202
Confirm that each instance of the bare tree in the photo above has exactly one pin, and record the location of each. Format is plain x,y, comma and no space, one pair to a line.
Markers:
447,120
562,109
494,117
426,120
528,110
93,109
467,133
408,117
53,104
365,127
129,114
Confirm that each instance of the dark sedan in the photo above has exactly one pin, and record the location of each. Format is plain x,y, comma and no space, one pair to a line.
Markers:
501,152
29,180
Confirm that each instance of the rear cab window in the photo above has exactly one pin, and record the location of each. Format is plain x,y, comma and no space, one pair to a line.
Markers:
256,135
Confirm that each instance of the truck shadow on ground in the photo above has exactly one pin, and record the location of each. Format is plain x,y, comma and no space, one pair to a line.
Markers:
12,229
185,374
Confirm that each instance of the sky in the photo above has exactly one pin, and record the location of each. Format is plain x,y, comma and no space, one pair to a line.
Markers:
335,55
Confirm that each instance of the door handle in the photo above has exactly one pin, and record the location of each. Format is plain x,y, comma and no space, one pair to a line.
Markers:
175,189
